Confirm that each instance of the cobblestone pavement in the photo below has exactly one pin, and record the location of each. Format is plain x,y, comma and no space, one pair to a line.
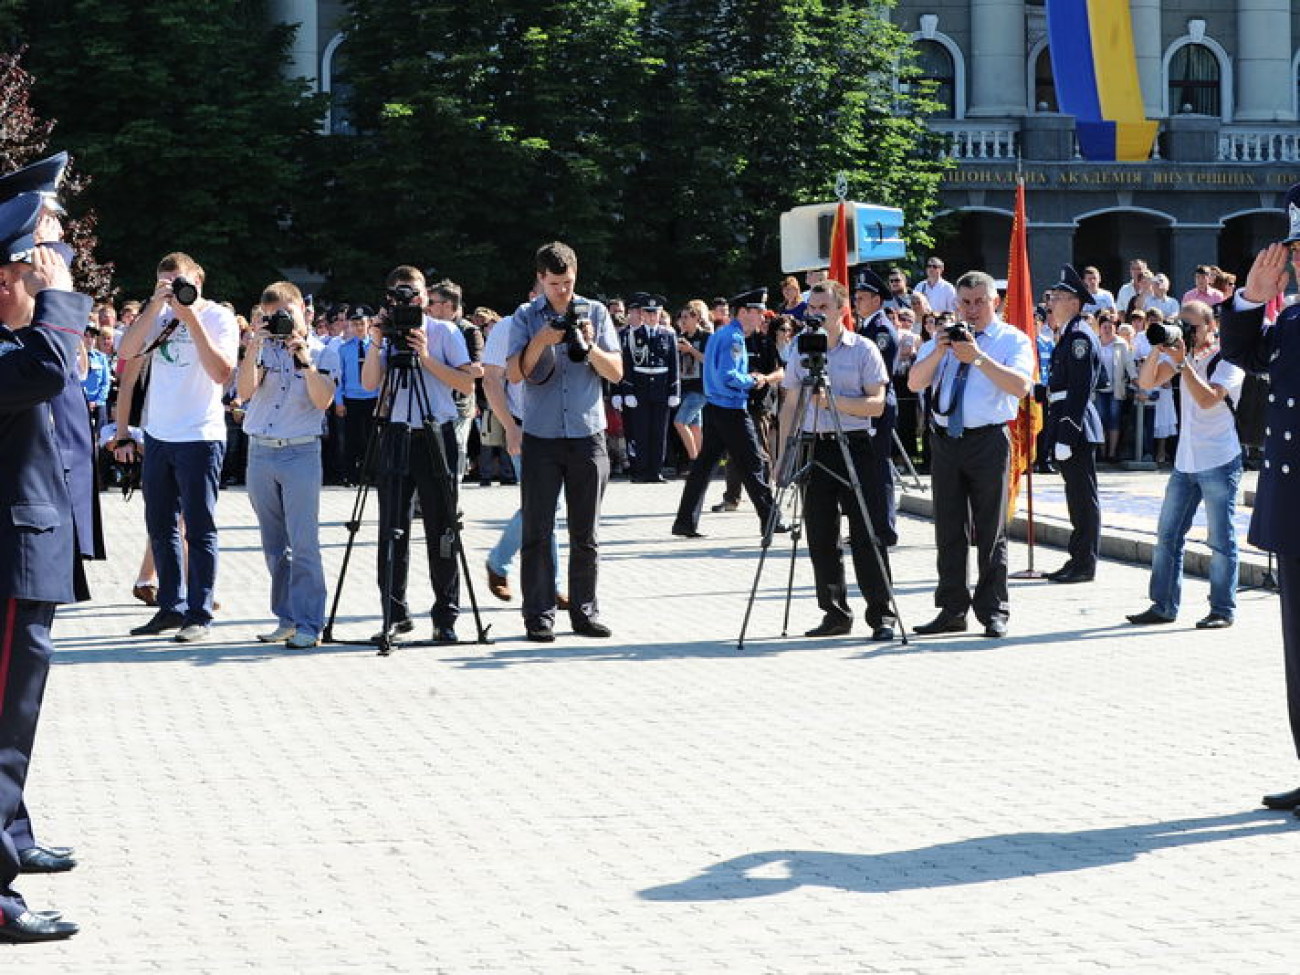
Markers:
1080,797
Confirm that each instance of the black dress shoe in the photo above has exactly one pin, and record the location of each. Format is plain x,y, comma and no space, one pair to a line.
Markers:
725,505
943,623
586,627
28,927
883,633
539,631
162,621
831,626
1148,618
687,532
1283,800
780,528
38,859
1215,621
444,634
1063,570
1074,575
995,629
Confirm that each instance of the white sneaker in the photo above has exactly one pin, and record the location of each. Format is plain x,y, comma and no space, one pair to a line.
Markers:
301,641
278,635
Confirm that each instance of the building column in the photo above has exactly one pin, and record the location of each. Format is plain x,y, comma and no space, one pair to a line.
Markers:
1263,63
1146,43
1190,245
1050,246
997,59
304,54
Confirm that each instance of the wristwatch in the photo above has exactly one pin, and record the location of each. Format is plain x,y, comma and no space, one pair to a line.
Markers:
978,360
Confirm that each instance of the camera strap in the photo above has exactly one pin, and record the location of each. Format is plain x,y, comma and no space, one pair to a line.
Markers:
1209,374
163,336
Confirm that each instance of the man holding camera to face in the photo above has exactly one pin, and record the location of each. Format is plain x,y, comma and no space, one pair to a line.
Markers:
418,362
561,347
192,345
977,372
286,397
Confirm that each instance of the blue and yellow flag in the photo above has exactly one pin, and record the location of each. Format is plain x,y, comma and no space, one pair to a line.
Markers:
1095,67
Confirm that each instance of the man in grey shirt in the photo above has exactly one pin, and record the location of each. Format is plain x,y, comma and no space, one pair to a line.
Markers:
562,354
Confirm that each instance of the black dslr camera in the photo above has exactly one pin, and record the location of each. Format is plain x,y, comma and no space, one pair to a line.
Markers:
279,325
958,332
184,291
1167,333
570,323
403,316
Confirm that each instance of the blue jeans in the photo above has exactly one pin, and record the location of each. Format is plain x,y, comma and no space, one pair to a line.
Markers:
1218,487
502,557
284,489
181,478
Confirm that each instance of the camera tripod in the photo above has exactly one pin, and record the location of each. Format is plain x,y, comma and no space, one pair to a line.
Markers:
793,472
392,443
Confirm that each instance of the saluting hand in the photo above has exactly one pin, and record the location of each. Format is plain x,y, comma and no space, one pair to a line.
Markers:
47,270
1268,275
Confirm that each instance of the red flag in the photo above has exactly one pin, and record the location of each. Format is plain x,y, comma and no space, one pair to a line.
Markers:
1019,312
840,255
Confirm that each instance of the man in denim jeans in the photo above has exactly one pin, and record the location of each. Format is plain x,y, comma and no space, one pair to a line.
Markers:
193,345
1207,466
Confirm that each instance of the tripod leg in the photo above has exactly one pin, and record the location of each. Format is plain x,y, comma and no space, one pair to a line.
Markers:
907,462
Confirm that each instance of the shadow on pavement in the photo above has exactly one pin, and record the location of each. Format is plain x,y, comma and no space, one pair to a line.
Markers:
980,860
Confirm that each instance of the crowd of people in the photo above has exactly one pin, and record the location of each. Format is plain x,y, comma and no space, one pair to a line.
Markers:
823,394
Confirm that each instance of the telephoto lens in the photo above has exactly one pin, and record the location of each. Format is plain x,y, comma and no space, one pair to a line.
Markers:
184,291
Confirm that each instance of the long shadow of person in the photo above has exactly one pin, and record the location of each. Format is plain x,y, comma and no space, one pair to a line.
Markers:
980,860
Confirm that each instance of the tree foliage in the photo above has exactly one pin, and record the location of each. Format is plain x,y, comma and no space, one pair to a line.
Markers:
662,138
192,134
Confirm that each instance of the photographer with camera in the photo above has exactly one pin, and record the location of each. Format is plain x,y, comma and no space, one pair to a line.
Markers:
191,346
1073,425
418,452
977,371
562,346
1207,466
853,369
285,398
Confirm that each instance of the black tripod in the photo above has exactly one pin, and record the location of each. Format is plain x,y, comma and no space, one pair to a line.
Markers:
402,384
796,466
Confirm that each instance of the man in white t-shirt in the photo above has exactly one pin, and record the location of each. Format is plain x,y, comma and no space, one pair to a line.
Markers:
192,345
940,293
1207,468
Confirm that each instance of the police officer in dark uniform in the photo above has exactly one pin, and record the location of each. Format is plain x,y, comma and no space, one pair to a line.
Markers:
38,563
1246,341
869,294
75,437
650,388
1073,426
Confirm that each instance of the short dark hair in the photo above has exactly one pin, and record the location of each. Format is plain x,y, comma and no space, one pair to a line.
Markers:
448,290
556,258
719,301
404,274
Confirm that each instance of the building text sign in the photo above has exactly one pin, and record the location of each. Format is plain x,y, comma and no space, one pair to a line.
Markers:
1147,176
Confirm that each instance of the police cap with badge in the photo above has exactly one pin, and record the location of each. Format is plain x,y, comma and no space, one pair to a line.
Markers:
865,279
756,298
644,301
18,219
42,176
1072,284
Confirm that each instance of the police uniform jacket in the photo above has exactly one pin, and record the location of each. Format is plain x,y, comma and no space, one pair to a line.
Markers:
37,547
1075,372
1244,341
879,332
650,364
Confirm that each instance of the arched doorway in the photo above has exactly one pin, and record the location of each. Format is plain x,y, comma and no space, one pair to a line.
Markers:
1109,240
1244,235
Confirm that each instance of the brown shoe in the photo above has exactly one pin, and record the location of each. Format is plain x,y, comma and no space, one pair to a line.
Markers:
499,586
561,601
147,594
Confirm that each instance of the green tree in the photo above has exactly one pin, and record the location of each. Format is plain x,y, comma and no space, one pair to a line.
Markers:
193,136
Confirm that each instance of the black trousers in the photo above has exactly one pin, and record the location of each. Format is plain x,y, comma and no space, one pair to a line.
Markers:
357,424
411,463
1288,578
735,472
826,500
1083,503
25,651
646,428
728,432
882,444
969,477
579,466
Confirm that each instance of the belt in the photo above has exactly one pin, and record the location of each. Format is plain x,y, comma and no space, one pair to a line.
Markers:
971,431
650,370
1057,396
282,441
848,435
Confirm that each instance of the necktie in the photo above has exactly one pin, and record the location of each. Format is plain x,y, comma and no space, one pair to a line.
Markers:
956,425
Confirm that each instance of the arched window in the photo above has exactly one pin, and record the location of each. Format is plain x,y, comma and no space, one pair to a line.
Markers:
1194,81
1044,83
938,77
335,83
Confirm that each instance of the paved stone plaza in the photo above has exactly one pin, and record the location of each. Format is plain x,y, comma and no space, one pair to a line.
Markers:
1080,797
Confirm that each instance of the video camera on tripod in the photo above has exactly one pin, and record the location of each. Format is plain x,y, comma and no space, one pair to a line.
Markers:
812,344
404,314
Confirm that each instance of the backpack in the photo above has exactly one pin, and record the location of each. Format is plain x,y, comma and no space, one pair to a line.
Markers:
1251,407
